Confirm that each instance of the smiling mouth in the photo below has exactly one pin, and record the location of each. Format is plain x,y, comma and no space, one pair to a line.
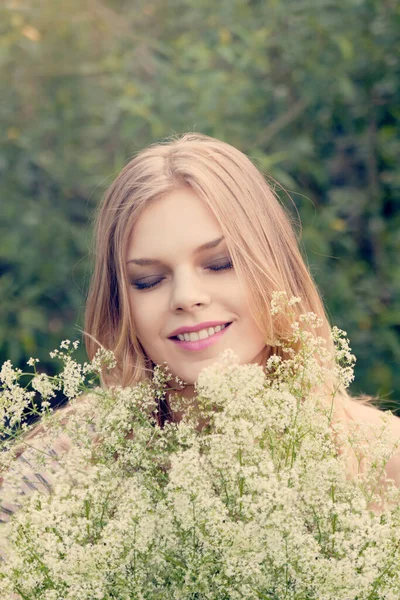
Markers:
205,334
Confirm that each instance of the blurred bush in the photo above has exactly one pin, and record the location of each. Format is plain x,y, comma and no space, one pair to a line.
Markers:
308,90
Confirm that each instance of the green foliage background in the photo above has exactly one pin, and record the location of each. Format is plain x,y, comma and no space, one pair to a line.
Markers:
308,89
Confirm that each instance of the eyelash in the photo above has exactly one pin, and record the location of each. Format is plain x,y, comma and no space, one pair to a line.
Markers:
145,286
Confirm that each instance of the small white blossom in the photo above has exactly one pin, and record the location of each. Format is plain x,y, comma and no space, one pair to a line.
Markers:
32,361
8,374
43,384
103,358
294,300
72,378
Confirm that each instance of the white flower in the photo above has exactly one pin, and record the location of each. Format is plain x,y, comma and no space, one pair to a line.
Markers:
72,377
8,374
103,358
43,384
32,361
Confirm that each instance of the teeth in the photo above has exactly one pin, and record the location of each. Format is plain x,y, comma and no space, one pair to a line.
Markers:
203,334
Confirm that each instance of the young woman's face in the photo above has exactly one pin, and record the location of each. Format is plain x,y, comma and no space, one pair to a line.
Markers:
180,285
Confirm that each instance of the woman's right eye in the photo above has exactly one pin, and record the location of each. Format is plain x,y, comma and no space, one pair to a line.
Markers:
145,286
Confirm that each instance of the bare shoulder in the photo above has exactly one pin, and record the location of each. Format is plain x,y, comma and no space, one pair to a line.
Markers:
365,413
368,414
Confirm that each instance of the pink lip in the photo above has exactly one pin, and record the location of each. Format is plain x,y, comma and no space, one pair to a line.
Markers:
201,344
198,327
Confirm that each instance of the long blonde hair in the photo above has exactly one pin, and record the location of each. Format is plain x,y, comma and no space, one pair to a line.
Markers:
258,232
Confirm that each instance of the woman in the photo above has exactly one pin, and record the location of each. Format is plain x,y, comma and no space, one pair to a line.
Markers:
191,244
191,236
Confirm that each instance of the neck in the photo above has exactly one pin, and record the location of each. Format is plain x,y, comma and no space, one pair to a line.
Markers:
179,400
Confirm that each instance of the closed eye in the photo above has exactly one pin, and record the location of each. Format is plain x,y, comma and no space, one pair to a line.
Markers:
146,286
223,267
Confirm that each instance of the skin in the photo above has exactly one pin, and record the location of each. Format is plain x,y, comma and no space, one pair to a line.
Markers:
372,416
170,230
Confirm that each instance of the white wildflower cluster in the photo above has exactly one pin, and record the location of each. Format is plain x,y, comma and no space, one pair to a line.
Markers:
66,348
257,504
45,385
67,344
19,402
72,378
32,362
344,358
280,302
102,359
14,399
8,375
306,361
163,376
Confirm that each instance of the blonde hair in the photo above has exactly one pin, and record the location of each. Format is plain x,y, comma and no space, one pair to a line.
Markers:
258,232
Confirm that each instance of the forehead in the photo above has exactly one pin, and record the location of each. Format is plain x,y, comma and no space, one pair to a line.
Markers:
179,220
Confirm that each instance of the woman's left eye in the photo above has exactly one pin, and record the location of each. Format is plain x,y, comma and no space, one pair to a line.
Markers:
226,265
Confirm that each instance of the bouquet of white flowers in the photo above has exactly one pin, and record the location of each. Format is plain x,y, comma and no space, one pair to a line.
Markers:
255,503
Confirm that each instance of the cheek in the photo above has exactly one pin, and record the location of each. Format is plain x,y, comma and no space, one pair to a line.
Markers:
146,316
242,302
257,337
240,294
139,315
252,330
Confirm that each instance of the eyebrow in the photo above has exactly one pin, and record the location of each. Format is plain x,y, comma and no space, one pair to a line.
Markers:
153,261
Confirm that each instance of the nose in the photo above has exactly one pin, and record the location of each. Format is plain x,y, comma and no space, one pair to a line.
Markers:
189,293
